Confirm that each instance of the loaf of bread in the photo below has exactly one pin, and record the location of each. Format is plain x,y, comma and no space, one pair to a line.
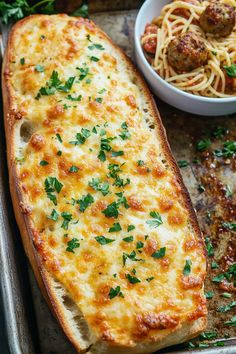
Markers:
105,219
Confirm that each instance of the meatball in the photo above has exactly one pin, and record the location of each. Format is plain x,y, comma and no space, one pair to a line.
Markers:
218,19
187,52
150,44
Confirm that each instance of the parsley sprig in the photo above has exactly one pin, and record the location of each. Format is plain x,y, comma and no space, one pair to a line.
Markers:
21,8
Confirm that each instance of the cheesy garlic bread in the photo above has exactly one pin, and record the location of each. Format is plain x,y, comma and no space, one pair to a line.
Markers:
105,219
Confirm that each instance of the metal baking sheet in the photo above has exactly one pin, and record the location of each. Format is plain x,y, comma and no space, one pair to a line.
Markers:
31,328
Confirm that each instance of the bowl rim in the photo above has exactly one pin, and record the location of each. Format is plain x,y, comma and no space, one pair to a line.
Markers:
157,77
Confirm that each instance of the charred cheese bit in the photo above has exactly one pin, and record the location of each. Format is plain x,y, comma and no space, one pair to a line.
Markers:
113,231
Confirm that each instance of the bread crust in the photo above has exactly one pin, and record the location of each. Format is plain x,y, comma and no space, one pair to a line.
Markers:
26,229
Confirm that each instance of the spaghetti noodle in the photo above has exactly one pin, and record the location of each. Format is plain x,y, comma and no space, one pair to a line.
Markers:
210,80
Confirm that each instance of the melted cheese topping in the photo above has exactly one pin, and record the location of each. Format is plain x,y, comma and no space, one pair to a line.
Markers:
127,291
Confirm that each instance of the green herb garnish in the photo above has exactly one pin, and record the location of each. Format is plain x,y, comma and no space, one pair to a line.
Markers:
85,202
187,267
43,163
160,253
115,228
72,244
157,220
103,240
52,185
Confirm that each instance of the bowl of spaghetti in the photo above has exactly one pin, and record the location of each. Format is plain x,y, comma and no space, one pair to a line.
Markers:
186,50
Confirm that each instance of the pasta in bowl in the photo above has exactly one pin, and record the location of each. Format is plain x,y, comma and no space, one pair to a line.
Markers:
187,53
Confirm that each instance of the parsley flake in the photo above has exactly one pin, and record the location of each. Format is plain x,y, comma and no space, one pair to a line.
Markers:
85,202
132,280
72,244
130,228
73,169
157,220
96,46
128,239
103,240
115,292
67,218
160,253
52,185
39,68
187,267
54,215
100,186
115,228
43,163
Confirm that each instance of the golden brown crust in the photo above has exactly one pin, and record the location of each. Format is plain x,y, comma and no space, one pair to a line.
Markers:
26,229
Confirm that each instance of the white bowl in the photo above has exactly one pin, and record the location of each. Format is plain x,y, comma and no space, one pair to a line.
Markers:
168,93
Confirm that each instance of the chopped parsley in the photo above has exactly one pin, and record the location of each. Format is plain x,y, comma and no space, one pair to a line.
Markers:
72,244
187,267
117,153
157,220
209,247
229,192
98,185
43,163
228,150
229,226
160,253
203,144
102,91
118,181
214,265
139,245
226,308
54,84
230,70
140,163
52,185
22,61
96,46
149,279
54,215
39,68
219,132
92,58
183,163
209,294
115,228
111,210
59,137
83,72
85,202
104,146
115,292
131,256
208,335
229,275
67,218
132,280
59,153
130,228
128,239
125,134
76,99
103,240
231,322
73,169
81,137
98,99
